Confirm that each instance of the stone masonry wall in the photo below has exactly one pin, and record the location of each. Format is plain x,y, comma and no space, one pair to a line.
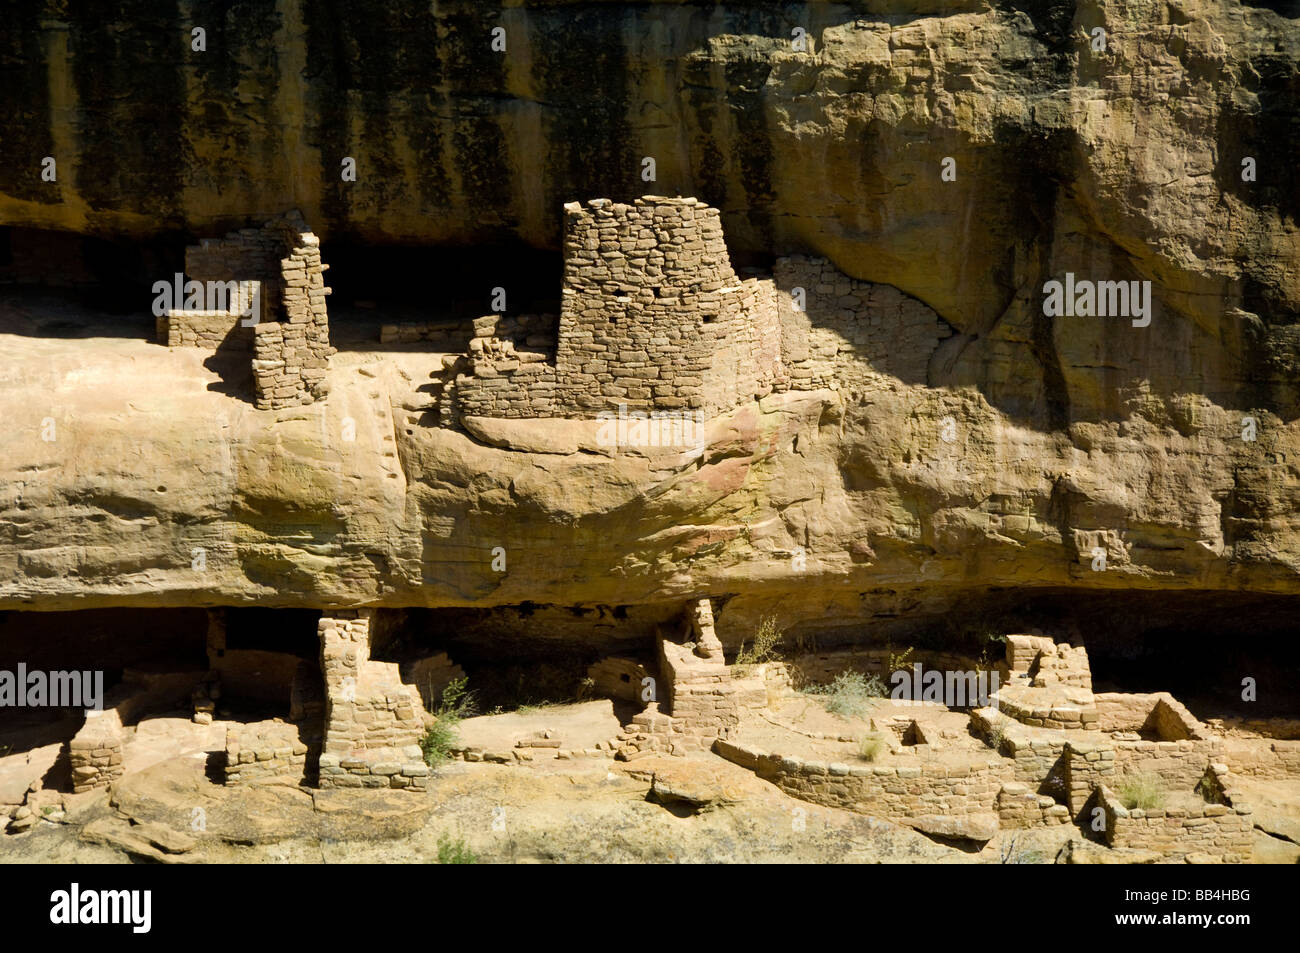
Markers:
217,330
653,317
250,255
373,722
290,339
291,356
443,335
1219,829
846,321
513,366
895,792
265,750
95,752
1263,759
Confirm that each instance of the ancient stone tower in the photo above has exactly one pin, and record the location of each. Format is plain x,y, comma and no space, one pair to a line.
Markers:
653,318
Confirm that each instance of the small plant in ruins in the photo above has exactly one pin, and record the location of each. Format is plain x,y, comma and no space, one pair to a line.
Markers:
763,649
897,660
870,747
850,694
1142,792
455,851
443,735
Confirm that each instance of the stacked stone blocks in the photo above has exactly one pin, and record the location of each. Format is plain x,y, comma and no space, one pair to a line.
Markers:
653,318
289,336
373,722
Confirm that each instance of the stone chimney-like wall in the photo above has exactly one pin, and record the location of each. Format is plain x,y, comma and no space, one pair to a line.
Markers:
291,355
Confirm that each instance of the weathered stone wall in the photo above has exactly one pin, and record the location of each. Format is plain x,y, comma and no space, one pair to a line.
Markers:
95,752
430,676
1018,806
290,356
373,722
895,792
1217,832
653,317
701,697
1263,759
846,322
1177,763
818,668
216,330
289,334
264,750
513,372
440,335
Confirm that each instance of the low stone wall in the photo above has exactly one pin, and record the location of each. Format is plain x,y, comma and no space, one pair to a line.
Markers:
513,373
1158,713
1278,729
1035,753
1262,759
265,750
820,668
1178,763
900,793
96,751
1037,709
1220,833
441,335
219,330
1019,807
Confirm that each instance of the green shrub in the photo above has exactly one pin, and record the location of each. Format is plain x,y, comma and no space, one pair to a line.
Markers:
850,694
457,699
439,740
1142,792
897,660
764,646
444,734
871,747
455,851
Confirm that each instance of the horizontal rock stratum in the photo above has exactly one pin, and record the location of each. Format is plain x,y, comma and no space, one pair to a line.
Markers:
1065,452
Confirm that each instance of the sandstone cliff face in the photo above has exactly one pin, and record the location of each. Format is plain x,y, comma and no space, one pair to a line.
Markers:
1066,435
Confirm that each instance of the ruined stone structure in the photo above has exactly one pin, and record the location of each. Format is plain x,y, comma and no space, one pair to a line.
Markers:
278,267
373,722
655,320
653,317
